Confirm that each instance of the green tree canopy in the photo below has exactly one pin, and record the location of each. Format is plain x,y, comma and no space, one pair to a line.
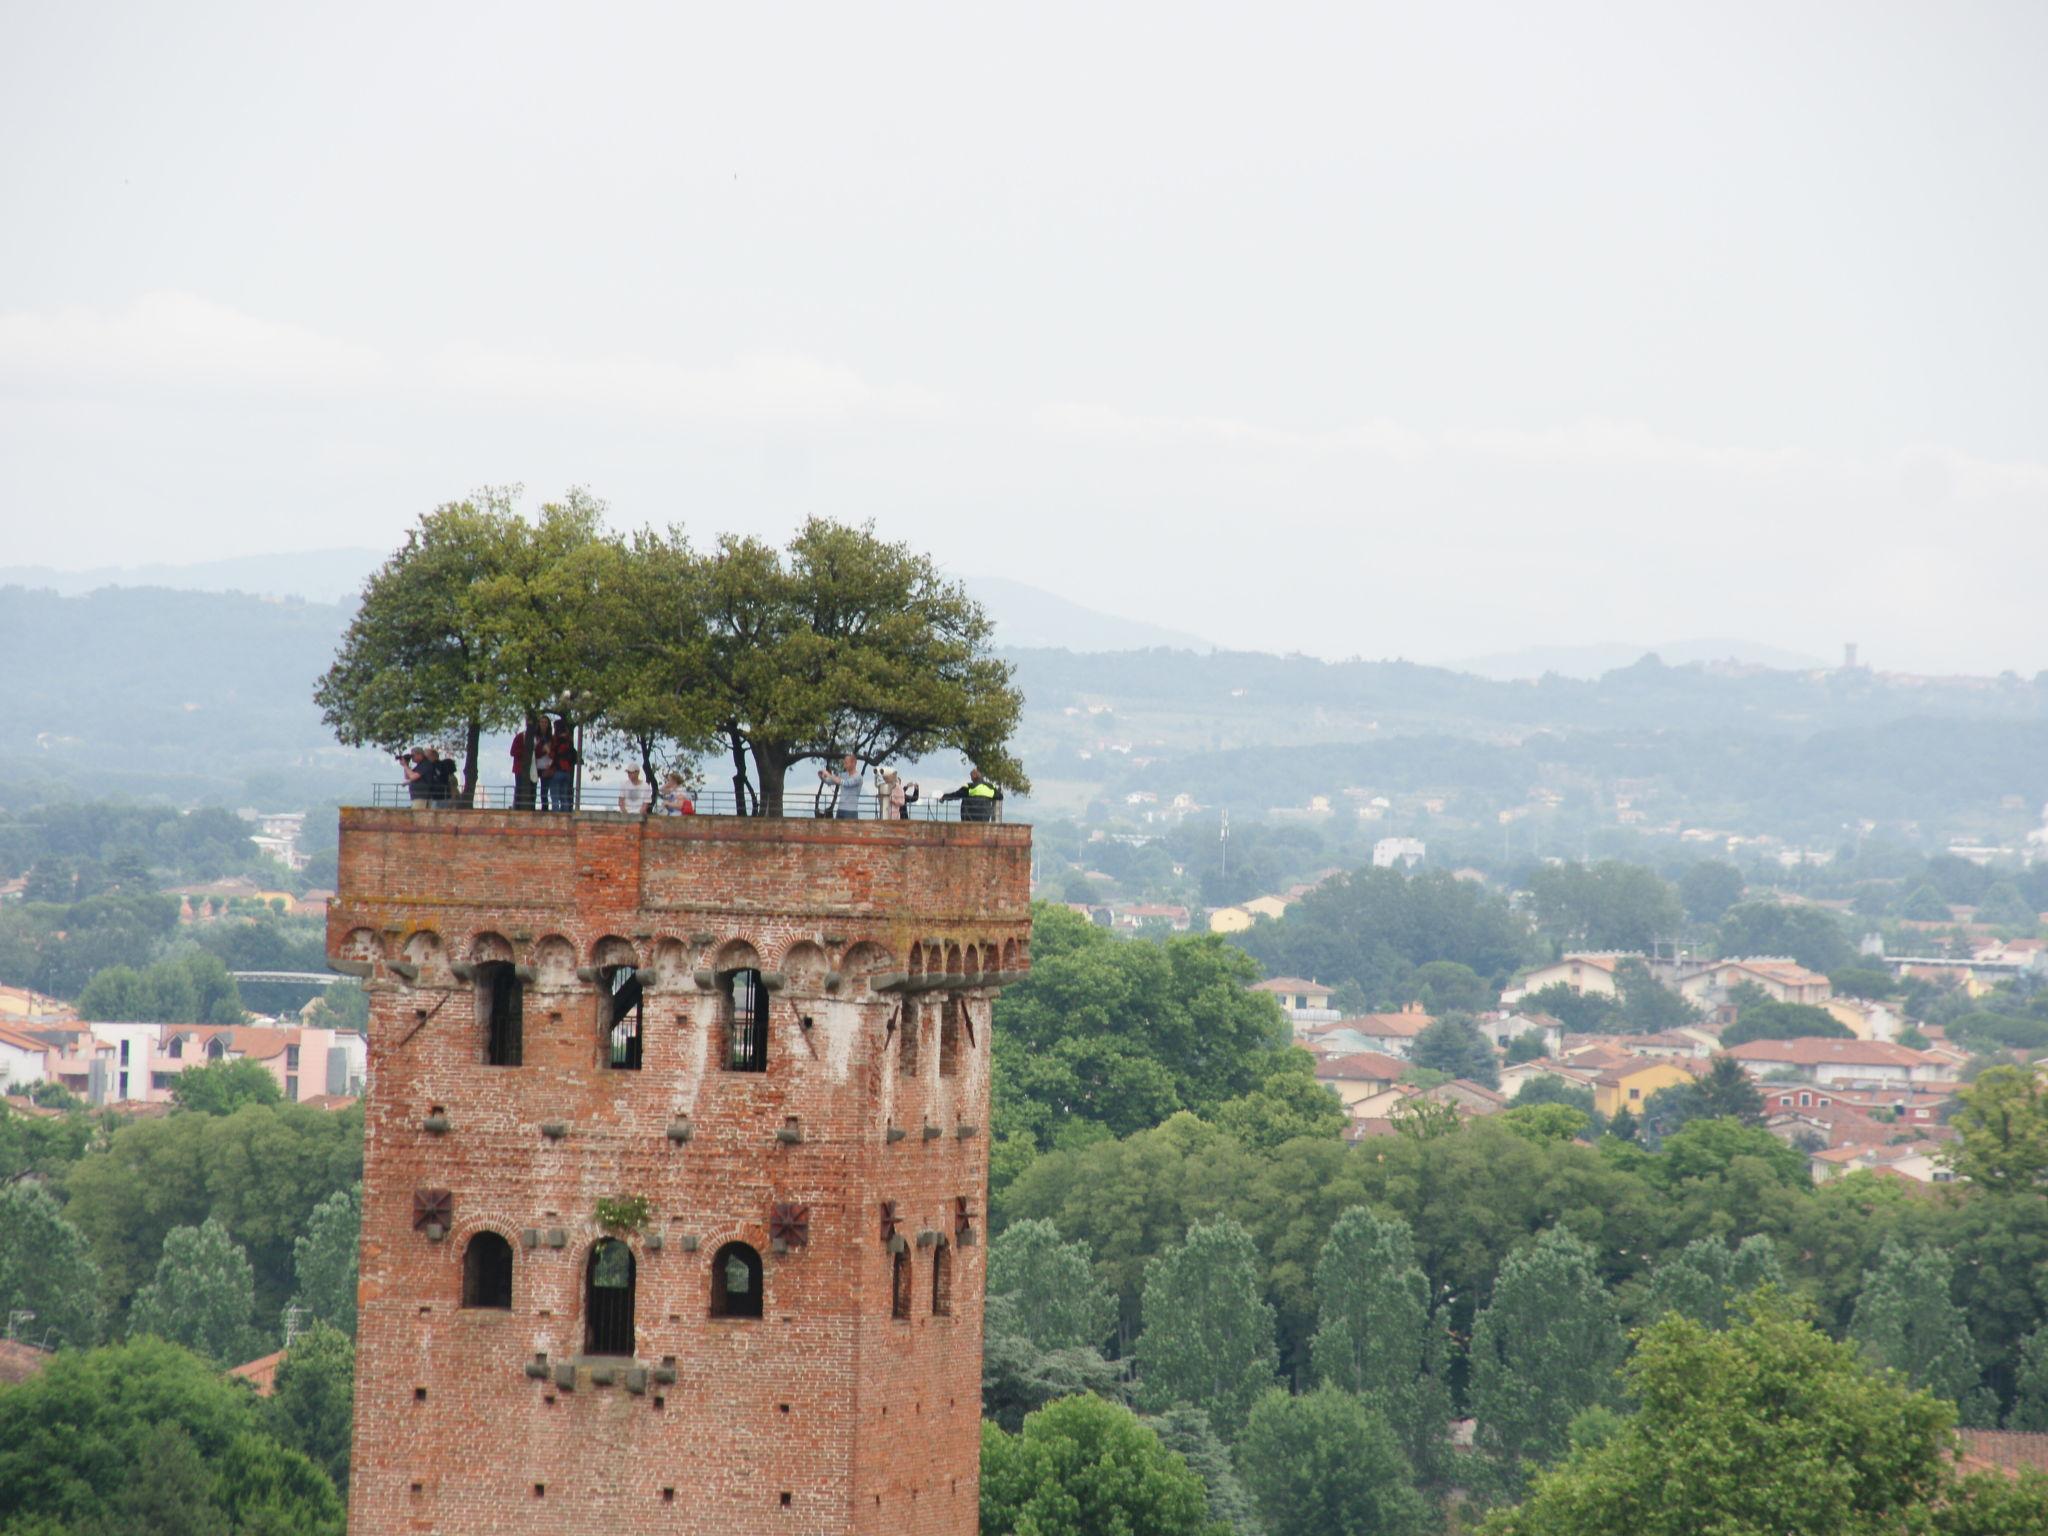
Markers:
1767,1427
1453,1046
1773,1020
46,1270
70,1435
312,1401
203,1297
1123,1032
194,988
2002,1130
324,1259
222,1087
1608,905
1188,1433
1085,1467
1924,904
1208,1340
1449,986
2004,906
1905,1320
1810,935
1327,1464
1377,1336
1703,1279
1288,1102
1709,889
1545,1348
1059,1301
1019,1377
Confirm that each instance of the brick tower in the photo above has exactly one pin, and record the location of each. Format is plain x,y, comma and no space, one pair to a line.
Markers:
675,1168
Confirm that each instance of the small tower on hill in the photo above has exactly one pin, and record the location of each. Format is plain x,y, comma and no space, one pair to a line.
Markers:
676,1168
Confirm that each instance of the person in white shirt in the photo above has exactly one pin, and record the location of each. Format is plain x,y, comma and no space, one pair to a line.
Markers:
635,797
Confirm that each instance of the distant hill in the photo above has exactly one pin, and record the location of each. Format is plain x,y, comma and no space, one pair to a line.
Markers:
1592,661
315,576
1030,618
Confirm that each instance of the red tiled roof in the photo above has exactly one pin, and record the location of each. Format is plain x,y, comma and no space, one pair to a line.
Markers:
2011,1451
20,1361
1361,1066
1290,984
260,1374
1400,1026
1811,1052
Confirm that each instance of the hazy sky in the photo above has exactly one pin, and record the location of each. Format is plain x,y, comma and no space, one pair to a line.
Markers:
1367,329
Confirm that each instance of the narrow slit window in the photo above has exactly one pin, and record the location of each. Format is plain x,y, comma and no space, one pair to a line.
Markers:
906,1047
899,1286
949,1037
746,1022
624,1010
487,1272
736,1282
942,1279
501,1000
608,1299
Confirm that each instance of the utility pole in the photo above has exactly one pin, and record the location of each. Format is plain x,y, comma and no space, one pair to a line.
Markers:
1223,836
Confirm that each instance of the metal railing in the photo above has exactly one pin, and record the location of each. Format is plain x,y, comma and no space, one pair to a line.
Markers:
714,802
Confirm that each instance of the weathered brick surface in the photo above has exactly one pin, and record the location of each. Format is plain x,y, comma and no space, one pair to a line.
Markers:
865,1423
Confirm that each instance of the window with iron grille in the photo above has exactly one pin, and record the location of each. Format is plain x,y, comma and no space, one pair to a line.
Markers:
608,1299
746,1021
487,1272
906,1045
623,1009
942,1279
501,1002
736,1282
949,1037
899,1286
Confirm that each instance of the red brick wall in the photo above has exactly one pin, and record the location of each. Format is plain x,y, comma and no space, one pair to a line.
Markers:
866,1423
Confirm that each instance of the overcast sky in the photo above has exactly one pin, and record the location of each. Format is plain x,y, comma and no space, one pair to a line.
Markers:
1370,329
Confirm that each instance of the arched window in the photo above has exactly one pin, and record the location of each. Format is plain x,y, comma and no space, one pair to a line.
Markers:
608,1299
736,1282
949,1037
907,1039
501,1004
942,1279
899,1285
216,1048
487,1272
746,1021
623,1010
177,1047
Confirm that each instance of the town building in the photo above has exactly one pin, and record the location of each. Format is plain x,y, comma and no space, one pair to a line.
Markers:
1303,1001
1844,1062
675,1169
1587,973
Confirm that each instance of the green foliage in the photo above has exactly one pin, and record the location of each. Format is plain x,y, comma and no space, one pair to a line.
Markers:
2002,1129
222,1087
1447,986
623,1213
311,1404
1377,1337
1376,928
260,1171
325,1258
1810,935
1208,1340
1709,889
1702,1280
1084,1467
1527,1046
1188,1433
194,988
1019,1376
1866,981
1708,1148
1581,1013
57,948
1124,1032
1454,1046
1771,1020
1985,1031
1546,1347
1925,905
1287,1103
42,1146
1326,1464
1553,1090
203,1296
1546,1122
47,1270
1608,905
1725,1093
1059,1301
2004,907
2030,1398
1767,1427
1905,1321
70,1435
169,1490
1647,1005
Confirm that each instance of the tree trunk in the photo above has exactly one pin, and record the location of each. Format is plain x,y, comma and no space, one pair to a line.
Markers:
771,767
739,774
469,748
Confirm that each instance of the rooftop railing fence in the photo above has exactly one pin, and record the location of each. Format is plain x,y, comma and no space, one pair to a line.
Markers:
712,802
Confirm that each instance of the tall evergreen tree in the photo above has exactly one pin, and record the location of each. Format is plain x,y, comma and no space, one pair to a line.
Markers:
314,1397
1059,1300
203,1296
1375,1334
1327,1464
46,1270
1546,1347
2030,1384
324,1259
1905,1320
1703,1279
1208,1340
1453,1044
1188,1433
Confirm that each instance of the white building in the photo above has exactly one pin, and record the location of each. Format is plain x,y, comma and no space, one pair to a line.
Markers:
1404,851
